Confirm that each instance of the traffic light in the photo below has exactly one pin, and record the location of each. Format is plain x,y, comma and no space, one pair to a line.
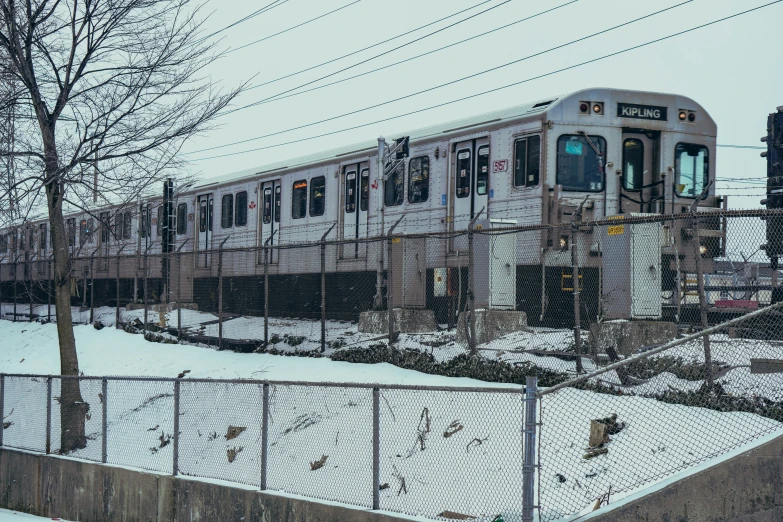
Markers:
774,199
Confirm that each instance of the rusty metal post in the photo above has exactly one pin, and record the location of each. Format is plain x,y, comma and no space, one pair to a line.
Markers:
323,288
49,272
376,448
92,285
175,445
220,293
48,415
472,344
264,434
389,277
179,289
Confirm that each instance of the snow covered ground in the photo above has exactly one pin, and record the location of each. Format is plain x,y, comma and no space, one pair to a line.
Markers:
460,452
15,516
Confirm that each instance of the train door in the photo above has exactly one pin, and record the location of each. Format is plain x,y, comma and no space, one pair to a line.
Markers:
471,181
356,204
270,218
639,191
204,236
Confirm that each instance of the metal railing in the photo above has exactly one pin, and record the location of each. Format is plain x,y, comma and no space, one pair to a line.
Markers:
420,450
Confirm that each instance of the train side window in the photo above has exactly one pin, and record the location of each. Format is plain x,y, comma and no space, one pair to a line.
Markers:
267,216
579,168
364,190
299,199
419,179
3,243
71,225
350,192
22,239
463,173
227,211
527,161
118,223
482,176
159,222
633,164
42,237
182,218
692,169
105,223
127,225
240,219
317,196
394,188
278,199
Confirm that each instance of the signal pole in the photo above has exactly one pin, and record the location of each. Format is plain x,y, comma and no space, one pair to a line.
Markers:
774,199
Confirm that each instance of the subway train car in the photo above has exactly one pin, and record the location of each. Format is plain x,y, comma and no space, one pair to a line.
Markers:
606,151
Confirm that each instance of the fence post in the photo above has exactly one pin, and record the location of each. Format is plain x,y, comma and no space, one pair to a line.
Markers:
30,288
49,289
529,463
49,415
472,285
2,407
179,295
92,287
389,290
266,296
144,267
376,449
16,270
323,289
175,445
117,283
105,420
264,434
702,299
220,293
577,304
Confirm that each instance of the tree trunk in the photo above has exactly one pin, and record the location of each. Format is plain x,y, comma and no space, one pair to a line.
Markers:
73,409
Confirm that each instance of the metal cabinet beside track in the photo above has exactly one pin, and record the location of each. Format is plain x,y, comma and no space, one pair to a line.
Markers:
631,269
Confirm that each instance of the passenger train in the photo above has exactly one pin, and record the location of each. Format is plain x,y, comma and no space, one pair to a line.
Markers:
612,151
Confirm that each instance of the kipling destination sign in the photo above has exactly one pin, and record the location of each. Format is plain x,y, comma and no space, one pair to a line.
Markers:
642,112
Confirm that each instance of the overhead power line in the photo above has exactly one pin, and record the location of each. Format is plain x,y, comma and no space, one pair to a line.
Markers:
282,97
420,38
533,78
268,7
742,146
452,82
292,27
368,47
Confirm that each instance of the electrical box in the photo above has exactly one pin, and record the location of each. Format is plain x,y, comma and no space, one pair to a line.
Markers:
409,272
630,269
495,260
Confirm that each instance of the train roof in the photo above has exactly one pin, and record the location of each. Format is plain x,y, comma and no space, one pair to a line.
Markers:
543,106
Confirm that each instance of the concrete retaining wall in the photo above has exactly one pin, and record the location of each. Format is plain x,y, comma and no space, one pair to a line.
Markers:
74,490
745,488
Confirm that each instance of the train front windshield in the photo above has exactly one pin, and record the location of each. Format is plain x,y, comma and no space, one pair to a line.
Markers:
579,168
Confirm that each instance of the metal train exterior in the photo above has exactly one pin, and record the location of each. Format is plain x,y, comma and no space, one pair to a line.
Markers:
615,151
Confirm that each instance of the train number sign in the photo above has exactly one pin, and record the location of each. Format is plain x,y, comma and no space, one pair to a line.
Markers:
500,166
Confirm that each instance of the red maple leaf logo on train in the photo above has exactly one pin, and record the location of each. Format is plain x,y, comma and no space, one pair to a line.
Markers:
252,205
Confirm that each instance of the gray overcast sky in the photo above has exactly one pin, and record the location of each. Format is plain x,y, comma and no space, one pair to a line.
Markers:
732,68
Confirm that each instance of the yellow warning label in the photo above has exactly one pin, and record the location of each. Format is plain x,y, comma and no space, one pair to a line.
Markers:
616,230
396,239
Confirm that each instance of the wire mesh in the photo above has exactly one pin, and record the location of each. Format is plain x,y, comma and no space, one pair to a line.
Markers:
92,396
140,426
320,442
24,413
451,454
654,415
220,431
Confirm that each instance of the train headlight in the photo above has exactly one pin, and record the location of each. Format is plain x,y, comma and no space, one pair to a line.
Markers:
683,115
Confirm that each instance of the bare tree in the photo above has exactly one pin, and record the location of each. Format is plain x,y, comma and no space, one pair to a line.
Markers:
114,87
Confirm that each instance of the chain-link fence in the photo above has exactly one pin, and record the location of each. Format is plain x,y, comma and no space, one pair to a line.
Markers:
436,452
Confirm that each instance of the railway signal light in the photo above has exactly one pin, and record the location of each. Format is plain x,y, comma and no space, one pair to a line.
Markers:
774,199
